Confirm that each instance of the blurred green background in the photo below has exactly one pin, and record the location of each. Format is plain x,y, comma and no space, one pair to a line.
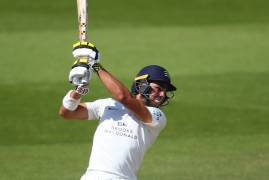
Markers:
215,50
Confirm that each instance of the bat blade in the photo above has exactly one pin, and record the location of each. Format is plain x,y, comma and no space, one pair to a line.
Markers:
82,28
82,19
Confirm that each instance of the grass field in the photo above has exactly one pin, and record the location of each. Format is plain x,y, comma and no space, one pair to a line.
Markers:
216,52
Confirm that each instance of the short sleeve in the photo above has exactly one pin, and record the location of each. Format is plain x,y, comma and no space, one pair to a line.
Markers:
158,118
95,109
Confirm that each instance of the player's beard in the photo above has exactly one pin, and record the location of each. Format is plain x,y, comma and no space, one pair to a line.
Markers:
156,101
151,101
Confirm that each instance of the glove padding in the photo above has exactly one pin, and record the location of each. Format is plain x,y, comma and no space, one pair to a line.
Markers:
86,50
86,54
79,75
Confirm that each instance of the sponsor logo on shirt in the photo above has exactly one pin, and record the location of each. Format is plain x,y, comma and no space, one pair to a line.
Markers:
120,123
121,131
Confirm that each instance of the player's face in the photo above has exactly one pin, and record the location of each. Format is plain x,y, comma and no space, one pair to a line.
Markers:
157,94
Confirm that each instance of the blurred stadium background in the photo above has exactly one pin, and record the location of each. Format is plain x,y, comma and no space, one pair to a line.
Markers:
215,50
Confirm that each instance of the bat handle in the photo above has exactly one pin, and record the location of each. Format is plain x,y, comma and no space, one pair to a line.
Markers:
83,32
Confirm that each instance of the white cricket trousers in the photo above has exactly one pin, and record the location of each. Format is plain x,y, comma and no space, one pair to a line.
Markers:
100,175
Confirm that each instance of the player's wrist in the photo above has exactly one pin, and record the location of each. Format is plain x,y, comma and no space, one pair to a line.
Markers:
71,100
97,67
75,95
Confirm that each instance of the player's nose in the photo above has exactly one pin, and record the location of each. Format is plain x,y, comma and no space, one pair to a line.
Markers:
162,93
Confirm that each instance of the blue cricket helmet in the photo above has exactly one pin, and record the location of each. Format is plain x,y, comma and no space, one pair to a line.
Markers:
154,73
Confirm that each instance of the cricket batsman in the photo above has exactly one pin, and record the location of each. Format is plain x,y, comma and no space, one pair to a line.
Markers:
129,120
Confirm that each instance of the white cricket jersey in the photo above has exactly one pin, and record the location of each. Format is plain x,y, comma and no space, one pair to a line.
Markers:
121,139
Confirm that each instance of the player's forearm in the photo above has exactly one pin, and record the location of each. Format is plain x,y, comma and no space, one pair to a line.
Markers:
123,95
118,90
71,99
79,114
72,108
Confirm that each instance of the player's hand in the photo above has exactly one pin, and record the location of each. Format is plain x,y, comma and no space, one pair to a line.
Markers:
79,75
86,50
85,54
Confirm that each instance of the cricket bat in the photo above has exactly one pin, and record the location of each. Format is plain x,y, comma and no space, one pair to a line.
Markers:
82,19
82,28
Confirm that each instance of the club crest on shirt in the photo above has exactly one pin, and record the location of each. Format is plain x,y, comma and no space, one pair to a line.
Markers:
112,108
157,114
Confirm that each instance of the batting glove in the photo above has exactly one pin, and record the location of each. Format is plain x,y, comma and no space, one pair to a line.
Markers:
86,50
79,75
86,54
82,89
